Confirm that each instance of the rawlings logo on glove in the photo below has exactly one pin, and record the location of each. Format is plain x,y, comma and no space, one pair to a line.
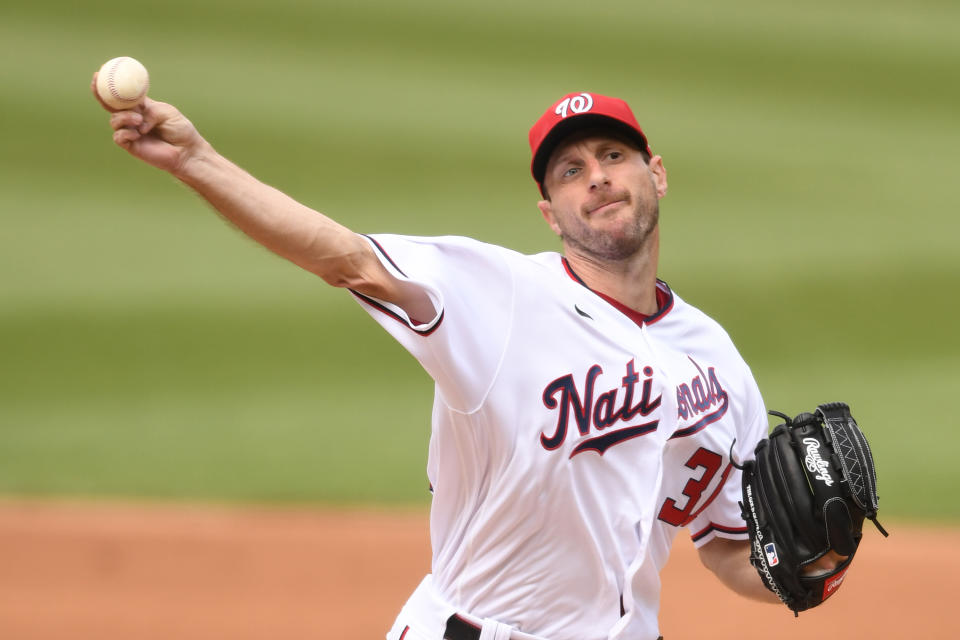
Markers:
805,497
815,463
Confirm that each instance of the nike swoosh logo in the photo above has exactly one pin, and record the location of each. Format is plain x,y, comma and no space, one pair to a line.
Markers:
582,312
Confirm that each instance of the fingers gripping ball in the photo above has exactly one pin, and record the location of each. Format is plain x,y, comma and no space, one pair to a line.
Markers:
122,83
805,496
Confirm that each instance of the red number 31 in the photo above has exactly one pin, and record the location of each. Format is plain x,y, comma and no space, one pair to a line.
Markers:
693,490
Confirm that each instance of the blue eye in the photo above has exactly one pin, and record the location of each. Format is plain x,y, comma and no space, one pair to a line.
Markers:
571,171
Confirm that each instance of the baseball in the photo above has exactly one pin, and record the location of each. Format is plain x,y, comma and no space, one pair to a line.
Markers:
122,82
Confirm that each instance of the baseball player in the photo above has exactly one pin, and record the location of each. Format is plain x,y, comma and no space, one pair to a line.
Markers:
720,410
582,411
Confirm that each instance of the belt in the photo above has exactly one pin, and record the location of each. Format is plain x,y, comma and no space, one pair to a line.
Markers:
460,629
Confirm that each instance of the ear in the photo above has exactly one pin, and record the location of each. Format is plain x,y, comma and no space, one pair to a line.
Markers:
659,175
546,209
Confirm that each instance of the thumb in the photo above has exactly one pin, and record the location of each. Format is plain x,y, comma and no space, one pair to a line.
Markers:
156,113
167,123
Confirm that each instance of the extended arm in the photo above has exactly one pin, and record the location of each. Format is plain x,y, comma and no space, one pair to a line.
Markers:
160,135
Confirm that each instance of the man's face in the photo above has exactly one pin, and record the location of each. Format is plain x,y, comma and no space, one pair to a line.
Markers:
603,195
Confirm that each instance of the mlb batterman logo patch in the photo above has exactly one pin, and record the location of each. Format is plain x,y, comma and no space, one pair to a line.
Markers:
771,551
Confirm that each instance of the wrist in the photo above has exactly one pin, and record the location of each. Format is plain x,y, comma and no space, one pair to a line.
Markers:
195,162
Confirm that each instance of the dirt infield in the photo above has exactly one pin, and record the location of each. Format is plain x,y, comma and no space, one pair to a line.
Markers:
85,571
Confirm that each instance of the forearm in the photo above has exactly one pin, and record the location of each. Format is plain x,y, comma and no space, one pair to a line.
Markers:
161,136
729,561
275,220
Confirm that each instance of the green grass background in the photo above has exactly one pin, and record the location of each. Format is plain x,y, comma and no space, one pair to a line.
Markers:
148,350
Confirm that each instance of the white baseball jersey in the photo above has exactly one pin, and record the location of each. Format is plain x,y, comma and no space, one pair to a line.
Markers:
718,402
551,413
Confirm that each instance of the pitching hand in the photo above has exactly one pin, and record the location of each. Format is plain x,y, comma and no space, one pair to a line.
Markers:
155,132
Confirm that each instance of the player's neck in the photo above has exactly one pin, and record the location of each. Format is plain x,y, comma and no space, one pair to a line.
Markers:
631,282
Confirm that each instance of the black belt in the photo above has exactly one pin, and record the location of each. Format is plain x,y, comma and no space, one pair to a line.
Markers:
460,629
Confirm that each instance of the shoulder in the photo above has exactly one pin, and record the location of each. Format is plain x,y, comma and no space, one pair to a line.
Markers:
690,331
685,322
431,253
453,250
389,241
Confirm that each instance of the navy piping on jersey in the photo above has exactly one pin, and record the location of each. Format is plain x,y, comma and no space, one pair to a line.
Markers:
385,310
384,253
664,299
717,527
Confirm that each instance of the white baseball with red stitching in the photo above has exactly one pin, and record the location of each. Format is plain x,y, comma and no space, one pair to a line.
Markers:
122,82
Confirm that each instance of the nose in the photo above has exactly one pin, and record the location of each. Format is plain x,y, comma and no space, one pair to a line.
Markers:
598,174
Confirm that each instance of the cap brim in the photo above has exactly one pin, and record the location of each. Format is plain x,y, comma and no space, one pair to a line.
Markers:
571,125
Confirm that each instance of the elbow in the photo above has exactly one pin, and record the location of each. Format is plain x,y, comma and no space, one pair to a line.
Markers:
355,269
344,264
341,273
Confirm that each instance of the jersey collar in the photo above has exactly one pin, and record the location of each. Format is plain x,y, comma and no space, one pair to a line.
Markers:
664,299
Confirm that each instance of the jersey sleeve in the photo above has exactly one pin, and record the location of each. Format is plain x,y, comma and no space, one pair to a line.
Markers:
722,517
471,287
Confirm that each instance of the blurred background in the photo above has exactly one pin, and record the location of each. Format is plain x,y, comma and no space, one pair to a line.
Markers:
148,350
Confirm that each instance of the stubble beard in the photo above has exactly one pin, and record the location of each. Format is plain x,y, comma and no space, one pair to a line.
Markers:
613,246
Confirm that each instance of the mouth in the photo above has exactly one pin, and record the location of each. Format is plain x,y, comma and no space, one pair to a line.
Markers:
604,206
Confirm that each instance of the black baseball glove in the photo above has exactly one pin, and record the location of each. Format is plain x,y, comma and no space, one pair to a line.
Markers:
805,497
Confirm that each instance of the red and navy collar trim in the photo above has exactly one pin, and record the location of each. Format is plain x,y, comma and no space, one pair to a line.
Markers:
664,299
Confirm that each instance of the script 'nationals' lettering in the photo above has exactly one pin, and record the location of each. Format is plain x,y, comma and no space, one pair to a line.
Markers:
600,412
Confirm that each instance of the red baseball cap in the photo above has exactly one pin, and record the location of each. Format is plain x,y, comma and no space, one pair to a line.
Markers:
576,111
